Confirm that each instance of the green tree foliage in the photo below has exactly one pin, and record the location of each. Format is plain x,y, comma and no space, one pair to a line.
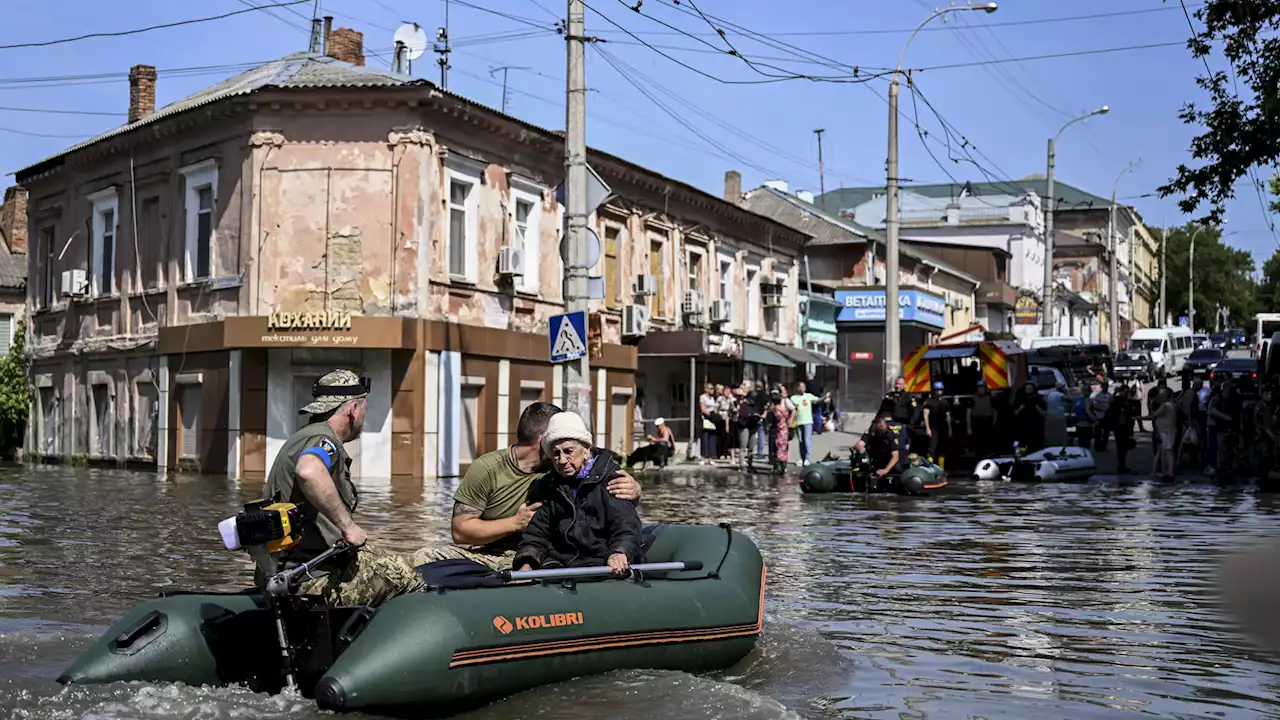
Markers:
1223,275
15,393
1269,288
1241,121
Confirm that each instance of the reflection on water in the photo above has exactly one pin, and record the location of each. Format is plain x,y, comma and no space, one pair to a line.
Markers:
1017,600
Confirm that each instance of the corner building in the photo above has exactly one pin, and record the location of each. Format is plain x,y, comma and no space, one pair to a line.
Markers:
194,270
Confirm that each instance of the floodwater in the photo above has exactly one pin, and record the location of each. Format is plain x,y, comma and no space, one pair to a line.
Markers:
1082,601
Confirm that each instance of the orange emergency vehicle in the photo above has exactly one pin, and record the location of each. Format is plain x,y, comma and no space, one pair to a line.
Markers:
959,366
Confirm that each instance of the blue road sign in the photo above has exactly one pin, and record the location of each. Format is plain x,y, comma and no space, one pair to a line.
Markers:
1184,321
567,336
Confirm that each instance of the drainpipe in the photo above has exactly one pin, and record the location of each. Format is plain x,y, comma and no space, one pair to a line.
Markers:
808,288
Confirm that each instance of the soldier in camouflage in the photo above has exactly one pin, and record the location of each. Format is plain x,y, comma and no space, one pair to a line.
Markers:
313,468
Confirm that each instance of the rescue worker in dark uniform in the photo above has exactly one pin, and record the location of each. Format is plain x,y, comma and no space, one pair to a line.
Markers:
937,425
886,445
900,405
312,469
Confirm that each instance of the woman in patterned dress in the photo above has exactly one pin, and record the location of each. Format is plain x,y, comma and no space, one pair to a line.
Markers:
779,433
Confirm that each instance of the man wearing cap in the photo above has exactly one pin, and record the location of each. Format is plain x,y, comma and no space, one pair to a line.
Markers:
492,504
313,469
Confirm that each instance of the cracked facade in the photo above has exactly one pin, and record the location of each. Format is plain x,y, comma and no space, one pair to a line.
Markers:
160,251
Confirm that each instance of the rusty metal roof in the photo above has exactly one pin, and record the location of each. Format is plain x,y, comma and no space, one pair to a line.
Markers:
298,70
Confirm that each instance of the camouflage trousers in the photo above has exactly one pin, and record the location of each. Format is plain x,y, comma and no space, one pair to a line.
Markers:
370,578
493,561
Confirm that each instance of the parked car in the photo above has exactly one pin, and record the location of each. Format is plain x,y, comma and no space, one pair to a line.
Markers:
1237,338
1134,364
1243,373
1199,340
1218,341
1203,361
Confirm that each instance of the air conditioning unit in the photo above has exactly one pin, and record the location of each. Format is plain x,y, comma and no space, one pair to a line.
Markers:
75,283
635,320
645,285
511,261
720,311
959,302
771,295
692,302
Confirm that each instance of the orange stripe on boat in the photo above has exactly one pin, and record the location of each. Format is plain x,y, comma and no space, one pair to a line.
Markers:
479,656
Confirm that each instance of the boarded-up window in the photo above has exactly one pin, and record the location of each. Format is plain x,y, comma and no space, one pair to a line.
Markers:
189,411
151,243
103,421
529,396
619,423
145,423
611,266
469,443
657,268
48,421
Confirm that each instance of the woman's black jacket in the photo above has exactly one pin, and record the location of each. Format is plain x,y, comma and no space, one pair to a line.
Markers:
580,524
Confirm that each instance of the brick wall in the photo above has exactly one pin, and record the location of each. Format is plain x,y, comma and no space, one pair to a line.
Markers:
142,92
13,218
346,45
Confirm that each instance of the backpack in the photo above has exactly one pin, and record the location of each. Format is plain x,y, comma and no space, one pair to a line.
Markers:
458,574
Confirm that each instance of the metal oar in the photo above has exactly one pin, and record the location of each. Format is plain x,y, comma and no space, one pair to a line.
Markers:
577,572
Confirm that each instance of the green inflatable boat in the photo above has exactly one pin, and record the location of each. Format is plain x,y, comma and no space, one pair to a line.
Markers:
438,652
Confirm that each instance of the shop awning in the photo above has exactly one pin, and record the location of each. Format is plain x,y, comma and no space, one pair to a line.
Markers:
800,356
761,355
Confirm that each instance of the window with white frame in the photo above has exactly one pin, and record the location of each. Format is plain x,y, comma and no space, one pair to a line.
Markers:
771,314
694,266
753,301
525,215
48,421
200,203
102,243
726,285
103,441
463,188
6,332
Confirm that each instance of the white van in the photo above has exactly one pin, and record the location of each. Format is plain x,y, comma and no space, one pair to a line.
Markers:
1169,347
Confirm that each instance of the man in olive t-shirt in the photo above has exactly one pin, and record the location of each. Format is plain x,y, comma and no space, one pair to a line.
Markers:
490,506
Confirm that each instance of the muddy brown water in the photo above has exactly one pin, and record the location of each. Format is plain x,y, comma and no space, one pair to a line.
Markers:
1083,601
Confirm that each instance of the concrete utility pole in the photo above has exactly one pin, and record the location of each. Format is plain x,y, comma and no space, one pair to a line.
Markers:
577,373
1046,309
892,324
822,182
1164,273
1112,246
1191,280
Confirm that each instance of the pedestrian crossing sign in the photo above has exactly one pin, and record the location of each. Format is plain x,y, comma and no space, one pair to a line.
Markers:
567,335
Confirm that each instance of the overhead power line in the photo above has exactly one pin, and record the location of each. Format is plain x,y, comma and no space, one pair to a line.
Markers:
948,28
1076,53
193,21
61,112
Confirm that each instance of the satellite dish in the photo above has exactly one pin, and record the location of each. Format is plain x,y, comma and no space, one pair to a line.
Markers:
415,41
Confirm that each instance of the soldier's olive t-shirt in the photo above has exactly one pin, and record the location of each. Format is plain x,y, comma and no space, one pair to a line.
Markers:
497,488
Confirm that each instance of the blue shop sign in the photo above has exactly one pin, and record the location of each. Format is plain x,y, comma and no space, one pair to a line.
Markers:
913,306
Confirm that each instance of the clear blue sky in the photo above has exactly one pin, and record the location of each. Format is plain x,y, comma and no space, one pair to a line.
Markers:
765,131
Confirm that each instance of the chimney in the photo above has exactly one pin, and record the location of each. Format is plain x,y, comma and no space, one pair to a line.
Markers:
317,39
732,186
779,185
346,45
142,92
328,28
13,218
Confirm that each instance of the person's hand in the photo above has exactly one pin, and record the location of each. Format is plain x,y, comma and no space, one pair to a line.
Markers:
354,535
524,515
928,432
881,473
619,563
623,486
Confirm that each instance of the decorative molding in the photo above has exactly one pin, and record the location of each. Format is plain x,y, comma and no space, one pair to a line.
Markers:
267,137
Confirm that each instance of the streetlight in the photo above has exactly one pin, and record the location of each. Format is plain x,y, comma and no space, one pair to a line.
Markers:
1046,327
892,328
1115,266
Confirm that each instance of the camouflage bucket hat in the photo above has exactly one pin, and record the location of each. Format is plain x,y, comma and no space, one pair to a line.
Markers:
333,389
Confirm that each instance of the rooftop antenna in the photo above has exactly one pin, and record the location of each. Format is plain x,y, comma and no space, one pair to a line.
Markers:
442,48
411,43
504,70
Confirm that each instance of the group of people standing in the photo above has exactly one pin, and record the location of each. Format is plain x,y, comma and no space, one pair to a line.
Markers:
748,421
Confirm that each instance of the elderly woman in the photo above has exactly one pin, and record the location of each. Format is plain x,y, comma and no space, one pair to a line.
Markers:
579,523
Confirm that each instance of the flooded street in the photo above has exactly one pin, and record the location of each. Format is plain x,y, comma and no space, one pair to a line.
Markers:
1075,601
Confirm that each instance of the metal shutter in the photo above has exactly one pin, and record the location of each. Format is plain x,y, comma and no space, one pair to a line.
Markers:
6,333
190,407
